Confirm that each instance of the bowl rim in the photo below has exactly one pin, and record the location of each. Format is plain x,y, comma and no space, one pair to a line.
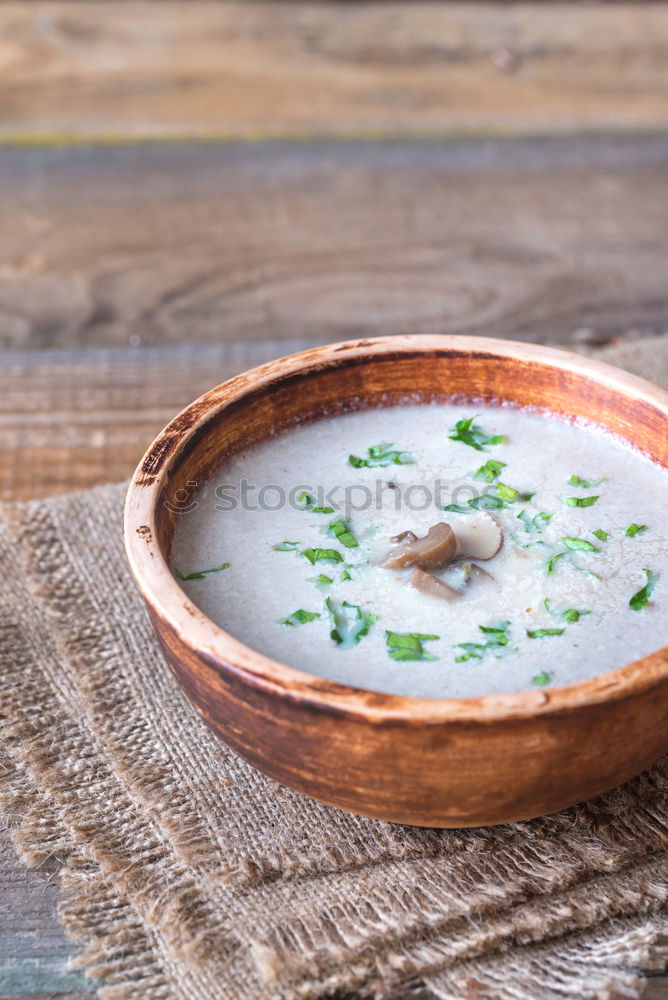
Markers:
229,656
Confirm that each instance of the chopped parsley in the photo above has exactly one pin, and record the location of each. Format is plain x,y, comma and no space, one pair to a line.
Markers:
641,598
322,555
490,471
580,501
601,534
501,498
541,679
495,644
286,547
543,633
408,646
341,531
573,615
470,433
348,629
573,544
200,574
585,484
323,580
309,504
380,456
300,617
579,545
534,525
488,501
635,529
551,562
568,615
345,572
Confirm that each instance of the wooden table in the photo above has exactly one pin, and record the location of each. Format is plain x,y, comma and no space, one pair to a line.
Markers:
348,169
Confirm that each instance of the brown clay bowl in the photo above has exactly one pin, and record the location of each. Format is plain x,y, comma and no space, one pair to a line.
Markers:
430,762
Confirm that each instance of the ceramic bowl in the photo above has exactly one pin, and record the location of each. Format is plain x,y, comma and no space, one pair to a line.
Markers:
429,762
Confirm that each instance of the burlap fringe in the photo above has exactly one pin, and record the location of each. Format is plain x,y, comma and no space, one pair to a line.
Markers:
570,906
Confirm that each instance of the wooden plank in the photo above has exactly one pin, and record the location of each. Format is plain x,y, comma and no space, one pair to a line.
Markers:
34,950
72,419
115,69
534,238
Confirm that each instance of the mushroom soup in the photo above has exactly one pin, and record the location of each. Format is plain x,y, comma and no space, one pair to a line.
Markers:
435,550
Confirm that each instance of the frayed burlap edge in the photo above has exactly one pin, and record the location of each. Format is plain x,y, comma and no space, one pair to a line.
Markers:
612,958
116,947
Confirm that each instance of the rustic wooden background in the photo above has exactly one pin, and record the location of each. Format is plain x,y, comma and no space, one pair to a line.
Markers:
191,188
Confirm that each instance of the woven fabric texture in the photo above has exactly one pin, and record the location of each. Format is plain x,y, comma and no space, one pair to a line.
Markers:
190,876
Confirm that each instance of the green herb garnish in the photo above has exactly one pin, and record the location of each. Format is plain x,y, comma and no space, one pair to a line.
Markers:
601,534
408,646
490,471
348,630
580,501
573,544
468,432
541,679
549,565
579,545
300,617
585,484
286,546
343,534
322,555
569,615
345,573
309,504
635,529
641,598
323,580
455,508
542,633
200,574
510,493
488,501
534,525
501,498
380,456
495,644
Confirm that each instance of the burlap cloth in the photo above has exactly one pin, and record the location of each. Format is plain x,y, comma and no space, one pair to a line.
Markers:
189,875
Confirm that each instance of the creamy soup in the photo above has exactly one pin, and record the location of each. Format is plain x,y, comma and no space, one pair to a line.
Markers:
436,550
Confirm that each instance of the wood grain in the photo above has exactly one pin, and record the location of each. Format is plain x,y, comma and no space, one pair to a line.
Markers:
115,69
535,239
72,419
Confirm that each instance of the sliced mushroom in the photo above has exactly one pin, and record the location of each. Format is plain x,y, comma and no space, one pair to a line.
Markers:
430,585
478,538
473,572
405,536
476,577
437,548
